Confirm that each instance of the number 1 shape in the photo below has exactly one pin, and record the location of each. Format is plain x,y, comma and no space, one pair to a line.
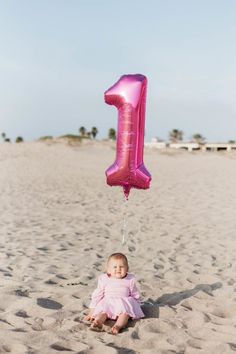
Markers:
128,95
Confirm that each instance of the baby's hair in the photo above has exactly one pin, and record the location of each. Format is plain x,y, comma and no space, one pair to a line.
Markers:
118,256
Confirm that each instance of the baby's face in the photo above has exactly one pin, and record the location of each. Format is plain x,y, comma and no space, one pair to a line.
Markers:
117,268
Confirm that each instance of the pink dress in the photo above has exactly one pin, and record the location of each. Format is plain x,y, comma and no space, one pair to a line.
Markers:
116,296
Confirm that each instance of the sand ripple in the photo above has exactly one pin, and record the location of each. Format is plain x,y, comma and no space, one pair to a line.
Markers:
59,222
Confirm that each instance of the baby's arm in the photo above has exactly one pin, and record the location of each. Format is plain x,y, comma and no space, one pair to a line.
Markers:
88,317
134,290
97,295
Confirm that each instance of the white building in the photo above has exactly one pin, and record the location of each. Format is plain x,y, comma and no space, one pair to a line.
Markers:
158,144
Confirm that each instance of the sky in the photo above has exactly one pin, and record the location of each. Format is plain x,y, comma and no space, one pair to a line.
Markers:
57,57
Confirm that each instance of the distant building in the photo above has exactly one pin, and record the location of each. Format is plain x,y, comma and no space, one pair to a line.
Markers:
185,146
218,147
159,144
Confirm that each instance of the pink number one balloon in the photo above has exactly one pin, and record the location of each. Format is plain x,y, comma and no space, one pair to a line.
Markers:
128,95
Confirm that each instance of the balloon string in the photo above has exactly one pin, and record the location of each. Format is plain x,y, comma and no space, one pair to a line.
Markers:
124,221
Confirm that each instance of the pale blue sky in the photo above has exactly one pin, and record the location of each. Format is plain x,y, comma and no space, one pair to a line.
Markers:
57,57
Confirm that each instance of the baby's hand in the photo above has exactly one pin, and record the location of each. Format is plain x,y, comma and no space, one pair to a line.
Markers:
88,318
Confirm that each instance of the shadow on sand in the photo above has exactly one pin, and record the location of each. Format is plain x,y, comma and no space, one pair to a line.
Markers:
151,307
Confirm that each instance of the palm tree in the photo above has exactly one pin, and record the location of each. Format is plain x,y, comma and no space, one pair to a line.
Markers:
198,138
6,140
94,132
19,139
112,134
82,131
175,135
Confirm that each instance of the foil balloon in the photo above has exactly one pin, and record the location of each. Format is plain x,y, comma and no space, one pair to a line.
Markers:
128,95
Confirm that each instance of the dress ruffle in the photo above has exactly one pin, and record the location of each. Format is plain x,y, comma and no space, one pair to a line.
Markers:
113,307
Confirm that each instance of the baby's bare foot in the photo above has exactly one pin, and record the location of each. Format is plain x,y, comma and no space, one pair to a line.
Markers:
96,325
115,329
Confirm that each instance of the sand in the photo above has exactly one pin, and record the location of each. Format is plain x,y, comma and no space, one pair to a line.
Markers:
59,222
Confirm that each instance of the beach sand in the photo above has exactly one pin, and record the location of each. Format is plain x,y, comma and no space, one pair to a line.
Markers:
59,222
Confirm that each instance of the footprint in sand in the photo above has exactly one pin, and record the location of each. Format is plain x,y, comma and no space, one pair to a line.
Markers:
60,276
49,304
231,282
21,292
152,327
69,346
97,266
223,312
21,330
22,314
158,266
40,325
5,348
50,282
79,327
195,343
131,248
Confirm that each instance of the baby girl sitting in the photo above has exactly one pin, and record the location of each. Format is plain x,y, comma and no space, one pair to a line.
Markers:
116,296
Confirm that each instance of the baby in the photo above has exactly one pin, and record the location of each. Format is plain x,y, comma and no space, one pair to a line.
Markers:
116,296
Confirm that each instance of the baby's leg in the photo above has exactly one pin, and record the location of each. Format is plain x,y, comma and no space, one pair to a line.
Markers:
99,320
121,322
